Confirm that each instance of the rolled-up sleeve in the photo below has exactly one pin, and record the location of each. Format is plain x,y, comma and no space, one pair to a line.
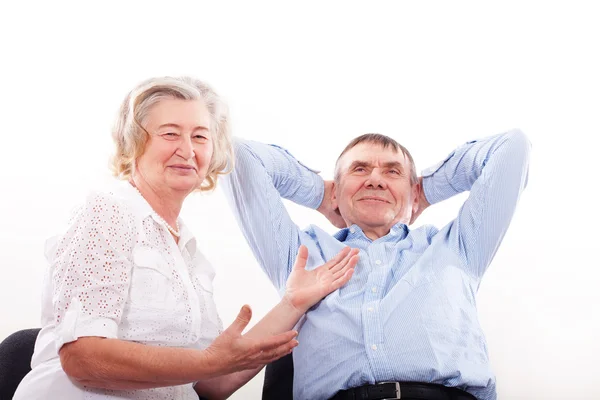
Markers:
91,270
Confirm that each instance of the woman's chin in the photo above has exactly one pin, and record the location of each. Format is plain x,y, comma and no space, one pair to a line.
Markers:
185,185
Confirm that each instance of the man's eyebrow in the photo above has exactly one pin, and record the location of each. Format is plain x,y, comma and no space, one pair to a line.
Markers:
389,164
358,163
393,164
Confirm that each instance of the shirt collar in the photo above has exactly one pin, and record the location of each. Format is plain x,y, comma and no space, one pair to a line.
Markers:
186,239
400,231
142,209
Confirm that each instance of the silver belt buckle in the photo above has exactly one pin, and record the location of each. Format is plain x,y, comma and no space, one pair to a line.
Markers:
398,391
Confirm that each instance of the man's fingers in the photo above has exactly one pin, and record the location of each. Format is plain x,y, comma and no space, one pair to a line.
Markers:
301,257
241,321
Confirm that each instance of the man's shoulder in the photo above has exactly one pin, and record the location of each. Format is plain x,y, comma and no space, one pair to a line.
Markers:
424,234
318,233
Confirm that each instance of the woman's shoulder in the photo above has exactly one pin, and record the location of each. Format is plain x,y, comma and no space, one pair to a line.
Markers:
110,198
105,210
104,205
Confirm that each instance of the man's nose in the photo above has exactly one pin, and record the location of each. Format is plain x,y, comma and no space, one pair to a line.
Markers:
375,179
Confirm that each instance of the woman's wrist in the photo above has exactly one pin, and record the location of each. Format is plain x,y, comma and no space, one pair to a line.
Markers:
207,364
290,306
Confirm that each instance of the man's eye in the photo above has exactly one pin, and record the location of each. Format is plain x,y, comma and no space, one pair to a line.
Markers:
200,137
359,169
394,171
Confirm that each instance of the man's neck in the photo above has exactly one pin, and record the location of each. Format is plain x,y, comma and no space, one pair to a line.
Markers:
376,233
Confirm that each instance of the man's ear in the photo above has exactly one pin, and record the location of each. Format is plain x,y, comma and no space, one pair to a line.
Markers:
416,192
334,203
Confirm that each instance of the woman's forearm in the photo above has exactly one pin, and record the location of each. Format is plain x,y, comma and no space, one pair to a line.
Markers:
280,319
118,364
224,386
283,317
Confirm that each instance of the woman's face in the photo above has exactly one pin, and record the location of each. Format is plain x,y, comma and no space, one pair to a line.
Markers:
179,148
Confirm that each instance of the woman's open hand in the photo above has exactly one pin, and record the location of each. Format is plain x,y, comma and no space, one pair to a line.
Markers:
305,288
231,351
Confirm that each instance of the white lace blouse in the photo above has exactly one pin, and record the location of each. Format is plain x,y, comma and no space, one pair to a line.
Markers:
117,273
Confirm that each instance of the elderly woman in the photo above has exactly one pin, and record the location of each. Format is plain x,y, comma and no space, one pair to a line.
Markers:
128,310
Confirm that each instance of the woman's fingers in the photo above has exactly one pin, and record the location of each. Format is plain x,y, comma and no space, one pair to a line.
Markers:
278,352
341,280
274,342
339,257
340,266
301,258
241,321
273,348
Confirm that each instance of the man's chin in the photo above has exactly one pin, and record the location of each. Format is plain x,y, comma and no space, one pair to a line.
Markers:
373,223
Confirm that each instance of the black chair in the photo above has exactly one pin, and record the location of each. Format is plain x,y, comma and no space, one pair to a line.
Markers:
15,360
279,379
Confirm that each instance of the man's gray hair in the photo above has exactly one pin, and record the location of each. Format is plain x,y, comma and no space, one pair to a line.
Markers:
385,142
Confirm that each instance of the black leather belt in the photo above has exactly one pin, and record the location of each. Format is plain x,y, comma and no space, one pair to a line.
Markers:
403,390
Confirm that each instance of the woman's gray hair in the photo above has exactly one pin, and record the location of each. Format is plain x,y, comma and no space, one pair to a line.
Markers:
130,137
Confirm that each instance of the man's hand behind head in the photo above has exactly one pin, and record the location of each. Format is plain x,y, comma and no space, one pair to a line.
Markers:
423,203
326,208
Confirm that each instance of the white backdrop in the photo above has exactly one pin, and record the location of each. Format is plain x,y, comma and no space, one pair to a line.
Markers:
311,76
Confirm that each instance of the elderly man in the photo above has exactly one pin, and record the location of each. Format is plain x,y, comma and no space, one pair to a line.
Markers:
406,324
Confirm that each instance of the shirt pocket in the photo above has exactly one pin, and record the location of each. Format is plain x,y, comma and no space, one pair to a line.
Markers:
204,275
151,281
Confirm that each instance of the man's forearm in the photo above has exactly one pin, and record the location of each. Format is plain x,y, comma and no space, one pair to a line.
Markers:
461,169
495,171
293,181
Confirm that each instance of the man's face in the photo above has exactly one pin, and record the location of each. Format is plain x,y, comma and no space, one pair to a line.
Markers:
373,189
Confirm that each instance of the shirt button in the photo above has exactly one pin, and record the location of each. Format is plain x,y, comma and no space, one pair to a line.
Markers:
370,309
352,230
374,289
374,347
378,262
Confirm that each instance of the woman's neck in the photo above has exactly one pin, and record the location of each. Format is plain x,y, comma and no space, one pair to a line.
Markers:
167,204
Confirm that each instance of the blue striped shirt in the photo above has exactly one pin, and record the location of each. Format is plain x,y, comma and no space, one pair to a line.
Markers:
409,312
